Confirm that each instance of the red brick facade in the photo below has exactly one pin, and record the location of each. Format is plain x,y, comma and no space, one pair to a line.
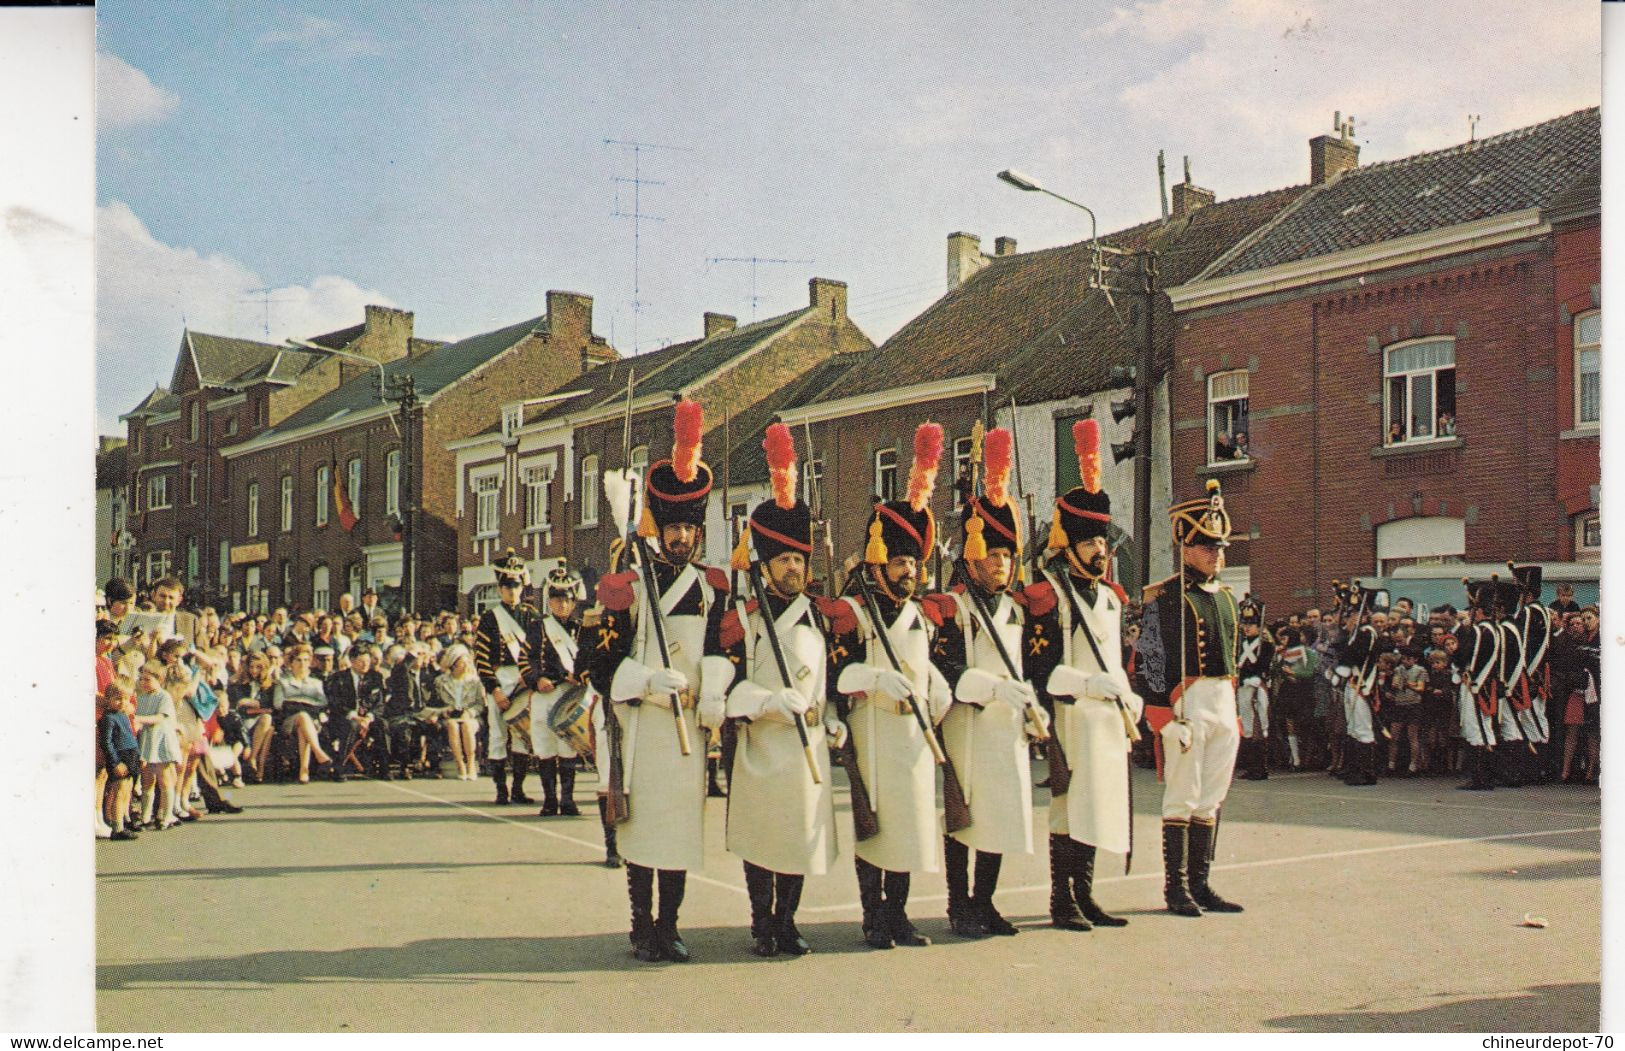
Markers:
1576,268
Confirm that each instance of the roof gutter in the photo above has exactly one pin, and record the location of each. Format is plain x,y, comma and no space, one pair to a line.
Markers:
935,390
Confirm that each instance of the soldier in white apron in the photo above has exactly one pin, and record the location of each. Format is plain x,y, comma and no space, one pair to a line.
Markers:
1476,663
986,731
896,761
1361,697
1077,662
552,643
781,820
1187,649
1534,626
502,658
1252,692
665,788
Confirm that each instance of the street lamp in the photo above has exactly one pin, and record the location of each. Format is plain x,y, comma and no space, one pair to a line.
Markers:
317,348
1142,372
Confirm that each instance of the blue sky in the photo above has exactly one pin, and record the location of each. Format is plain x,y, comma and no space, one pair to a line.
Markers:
449,158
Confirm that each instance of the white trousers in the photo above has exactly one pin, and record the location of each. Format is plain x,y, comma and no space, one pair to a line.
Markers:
1357,713
1196,779
1253,705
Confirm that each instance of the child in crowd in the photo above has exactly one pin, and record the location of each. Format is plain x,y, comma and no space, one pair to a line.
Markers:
116,741
1438,702
1409,682
159,744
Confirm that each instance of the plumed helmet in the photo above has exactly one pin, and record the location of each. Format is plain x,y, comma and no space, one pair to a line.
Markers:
989,520
510,571
676,488
1084,511
783,522
564,582
1202,520
907,527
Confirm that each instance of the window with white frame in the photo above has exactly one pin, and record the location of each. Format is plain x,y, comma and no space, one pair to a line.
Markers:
483,597
392,482
287,583
253,509
191,561
1588,537
487,489
193,423
962,450
1227,423
587,491
886,474
225,565
812,480
166,443
511,416
356,580
287,504
638,460
1588,369
157,492
255,600
324,483
191,483
319,588
157,565
537,511
1420,404
352,484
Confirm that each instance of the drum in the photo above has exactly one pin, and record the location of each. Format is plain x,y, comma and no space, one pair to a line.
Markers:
517,714
571,717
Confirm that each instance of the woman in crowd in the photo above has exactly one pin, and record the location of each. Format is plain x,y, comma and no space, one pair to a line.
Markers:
1579,670
458,688
251,695
299,701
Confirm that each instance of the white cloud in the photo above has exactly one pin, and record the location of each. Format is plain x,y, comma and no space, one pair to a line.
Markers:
321,36
1270,73
145,287
125,97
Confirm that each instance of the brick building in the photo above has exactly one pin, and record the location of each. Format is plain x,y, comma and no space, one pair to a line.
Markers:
530,477
112,503
1399,348
288,544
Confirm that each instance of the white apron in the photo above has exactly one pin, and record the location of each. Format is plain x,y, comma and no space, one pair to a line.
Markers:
778,818
988,745
666,789
547,744
501,738
1094,808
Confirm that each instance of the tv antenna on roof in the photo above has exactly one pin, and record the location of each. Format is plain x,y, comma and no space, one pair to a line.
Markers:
1472,126
754,261
263,296
637,182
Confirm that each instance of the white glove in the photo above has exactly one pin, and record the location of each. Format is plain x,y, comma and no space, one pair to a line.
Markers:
1177,734
712,710
893,684
791,703
1067,681
976,687
1016,694
665,681
1043,720
716,675
835,731
1102,687
857,678
1136,705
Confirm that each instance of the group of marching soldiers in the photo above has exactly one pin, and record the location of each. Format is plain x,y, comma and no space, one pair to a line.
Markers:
889,682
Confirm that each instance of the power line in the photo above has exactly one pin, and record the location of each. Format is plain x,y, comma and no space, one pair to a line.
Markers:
754,261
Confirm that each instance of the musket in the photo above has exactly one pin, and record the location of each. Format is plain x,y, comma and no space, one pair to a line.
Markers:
1015,449
772,632
956,811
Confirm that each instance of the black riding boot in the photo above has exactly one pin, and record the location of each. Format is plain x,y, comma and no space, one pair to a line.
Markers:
902,931
640,887
787,891
1063,907
567,787
499,774
521,767
987,881
1201,858
672,884
712,788
1261,759
759,885
962,918
548,768
1478,779
1083,882
1363,767
1174,847
875,932
612,857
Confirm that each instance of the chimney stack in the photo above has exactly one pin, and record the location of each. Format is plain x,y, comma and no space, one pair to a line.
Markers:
1331,156
718,323
829,295
965,258
1188,196
1003,246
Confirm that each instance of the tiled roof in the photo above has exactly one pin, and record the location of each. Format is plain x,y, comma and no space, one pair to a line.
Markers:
340,339
747,461
711,354
1584,194
222,359
1526,168
432,371
1032,319
157,402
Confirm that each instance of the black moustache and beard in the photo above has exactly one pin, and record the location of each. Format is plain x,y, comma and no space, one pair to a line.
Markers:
790,584
679,552
1096,565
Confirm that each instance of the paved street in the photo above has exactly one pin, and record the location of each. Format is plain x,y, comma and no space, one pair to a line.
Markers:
419,906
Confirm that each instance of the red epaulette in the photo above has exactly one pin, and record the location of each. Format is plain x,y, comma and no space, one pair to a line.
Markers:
843,620
615,591
732,630
1117,589
1037,598
716,578
939,608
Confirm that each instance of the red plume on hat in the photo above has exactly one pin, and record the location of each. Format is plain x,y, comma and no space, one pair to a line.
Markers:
688,427
996,458
781,464
1086,443
922,475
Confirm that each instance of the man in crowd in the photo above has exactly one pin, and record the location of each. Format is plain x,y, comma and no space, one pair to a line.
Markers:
1253,695
1188,646
352,702
552,647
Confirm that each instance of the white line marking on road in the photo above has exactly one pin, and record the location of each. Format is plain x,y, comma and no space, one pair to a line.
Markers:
529,827
1267,862
1439,803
